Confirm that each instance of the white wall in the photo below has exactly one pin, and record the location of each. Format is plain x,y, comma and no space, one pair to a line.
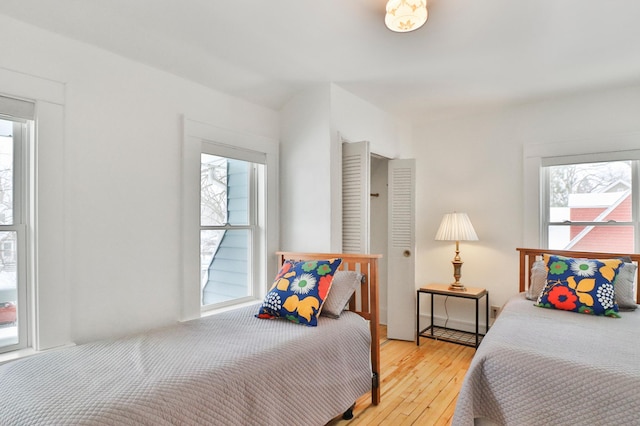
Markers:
305,172
311,152
122,159
358,120
474,164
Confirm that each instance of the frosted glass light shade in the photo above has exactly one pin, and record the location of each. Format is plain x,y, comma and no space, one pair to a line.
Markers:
456,227
405,15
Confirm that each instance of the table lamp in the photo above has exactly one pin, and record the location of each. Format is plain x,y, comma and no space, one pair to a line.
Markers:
456,227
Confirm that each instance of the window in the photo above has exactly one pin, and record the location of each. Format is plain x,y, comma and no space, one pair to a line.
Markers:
228,228
229,215
590,205
14,132
39,215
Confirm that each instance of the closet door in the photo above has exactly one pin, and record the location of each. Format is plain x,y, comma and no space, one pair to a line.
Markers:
355,197
401,289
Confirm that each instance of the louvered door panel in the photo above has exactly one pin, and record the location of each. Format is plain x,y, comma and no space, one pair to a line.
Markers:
401,285
355,197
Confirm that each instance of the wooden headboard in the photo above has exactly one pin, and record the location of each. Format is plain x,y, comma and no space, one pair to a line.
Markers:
528,256
364,302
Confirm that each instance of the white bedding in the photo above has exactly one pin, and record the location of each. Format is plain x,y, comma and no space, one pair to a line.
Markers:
542,366
231,369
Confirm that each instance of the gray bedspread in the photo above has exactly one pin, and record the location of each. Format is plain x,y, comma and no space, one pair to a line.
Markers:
227,369
541,366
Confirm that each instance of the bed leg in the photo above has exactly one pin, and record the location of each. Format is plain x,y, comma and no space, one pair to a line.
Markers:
348,415
375,389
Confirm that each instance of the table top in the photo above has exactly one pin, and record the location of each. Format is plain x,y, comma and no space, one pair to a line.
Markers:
470,292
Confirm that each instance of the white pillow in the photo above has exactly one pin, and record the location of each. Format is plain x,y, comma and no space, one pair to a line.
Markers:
537,280
624,286
343,286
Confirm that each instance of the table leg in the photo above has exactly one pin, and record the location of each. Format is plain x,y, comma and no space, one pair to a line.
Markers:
418,318
487,313
432,297
477,327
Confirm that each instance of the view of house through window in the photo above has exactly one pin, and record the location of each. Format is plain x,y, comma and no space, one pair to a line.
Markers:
11,135
227,222
591,206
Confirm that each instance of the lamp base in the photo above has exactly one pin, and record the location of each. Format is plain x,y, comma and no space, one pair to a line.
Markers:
457,287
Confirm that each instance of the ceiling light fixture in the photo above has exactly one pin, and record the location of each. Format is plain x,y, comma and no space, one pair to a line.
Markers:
406,15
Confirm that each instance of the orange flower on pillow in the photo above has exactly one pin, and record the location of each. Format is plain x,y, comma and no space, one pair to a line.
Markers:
562,298
304,307
582,288
282,283
608,271
324,286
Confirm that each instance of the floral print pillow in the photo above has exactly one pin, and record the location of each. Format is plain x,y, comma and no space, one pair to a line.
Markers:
580,285
299,291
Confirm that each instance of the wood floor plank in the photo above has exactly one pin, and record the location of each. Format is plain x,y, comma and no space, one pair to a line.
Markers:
420,384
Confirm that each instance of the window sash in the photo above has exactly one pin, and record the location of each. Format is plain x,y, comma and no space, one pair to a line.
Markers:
628,155
21,135
13,109
256,161
599,157
233,152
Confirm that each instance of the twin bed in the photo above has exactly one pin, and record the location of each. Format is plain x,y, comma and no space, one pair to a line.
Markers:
230,368
546,366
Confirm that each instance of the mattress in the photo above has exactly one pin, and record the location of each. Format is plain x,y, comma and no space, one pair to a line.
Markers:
227,369
542,366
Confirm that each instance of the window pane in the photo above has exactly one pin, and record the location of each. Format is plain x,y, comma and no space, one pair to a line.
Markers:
605,238
6,172
591,192
224,191
209,241
213,190
8,289
225,265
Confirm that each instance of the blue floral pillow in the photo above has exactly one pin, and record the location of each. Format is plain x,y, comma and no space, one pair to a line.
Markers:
299,291
580,285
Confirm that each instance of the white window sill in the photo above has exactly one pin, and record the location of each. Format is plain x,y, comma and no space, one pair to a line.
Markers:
25,353
214,311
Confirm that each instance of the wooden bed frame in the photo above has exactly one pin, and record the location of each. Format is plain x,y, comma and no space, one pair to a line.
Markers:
364,302
528,256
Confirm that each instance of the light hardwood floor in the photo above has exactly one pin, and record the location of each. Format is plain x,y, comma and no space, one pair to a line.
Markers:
419,384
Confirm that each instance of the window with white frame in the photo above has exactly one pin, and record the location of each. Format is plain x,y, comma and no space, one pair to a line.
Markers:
590,202
230,223
16,124
229,232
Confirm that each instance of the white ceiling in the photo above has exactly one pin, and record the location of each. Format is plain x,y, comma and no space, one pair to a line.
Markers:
469,53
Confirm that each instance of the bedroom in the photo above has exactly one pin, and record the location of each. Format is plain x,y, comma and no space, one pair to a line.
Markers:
113,185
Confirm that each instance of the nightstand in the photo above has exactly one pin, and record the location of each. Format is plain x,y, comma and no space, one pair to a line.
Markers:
449,334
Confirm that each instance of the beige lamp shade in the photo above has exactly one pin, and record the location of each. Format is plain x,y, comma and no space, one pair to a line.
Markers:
456,227
405,15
